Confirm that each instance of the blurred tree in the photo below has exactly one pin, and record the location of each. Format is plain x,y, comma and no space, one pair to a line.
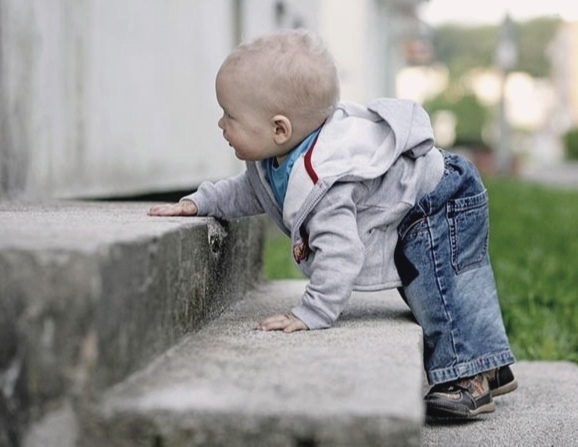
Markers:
471,116
571,144
533,39
462,48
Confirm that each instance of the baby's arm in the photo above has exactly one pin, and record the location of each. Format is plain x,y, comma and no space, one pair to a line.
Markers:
338,258
226,199
183,208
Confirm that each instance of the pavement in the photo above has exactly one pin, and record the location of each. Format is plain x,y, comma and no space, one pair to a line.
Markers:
543,411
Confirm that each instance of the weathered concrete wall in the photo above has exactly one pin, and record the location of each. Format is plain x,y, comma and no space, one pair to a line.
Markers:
106,98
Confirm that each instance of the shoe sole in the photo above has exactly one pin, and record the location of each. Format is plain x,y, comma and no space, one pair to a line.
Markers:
436,412
505,389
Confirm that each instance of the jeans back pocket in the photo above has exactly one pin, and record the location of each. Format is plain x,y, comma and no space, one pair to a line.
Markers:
468,221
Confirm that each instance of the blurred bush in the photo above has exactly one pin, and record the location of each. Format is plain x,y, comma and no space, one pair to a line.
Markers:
571,144
471,116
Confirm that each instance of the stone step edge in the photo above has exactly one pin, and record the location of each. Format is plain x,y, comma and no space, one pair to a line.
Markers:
358,383
93,291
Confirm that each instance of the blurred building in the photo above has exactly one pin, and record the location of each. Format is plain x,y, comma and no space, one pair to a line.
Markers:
564,56
549,106
372,40
102,98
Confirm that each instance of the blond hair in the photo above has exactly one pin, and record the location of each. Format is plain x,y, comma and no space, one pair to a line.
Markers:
292,72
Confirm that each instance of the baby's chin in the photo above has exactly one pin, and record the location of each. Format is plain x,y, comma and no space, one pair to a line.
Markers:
247,157
238,154
243,157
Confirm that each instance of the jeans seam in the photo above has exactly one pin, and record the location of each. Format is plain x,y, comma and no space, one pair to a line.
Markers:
441,288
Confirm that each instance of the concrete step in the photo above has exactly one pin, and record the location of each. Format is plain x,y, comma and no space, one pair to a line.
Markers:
91,292
358,383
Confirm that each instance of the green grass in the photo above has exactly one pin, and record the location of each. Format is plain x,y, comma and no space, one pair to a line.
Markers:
278,262
534,252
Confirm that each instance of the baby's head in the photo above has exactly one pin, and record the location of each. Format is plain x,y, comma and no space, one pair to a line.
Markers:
288,74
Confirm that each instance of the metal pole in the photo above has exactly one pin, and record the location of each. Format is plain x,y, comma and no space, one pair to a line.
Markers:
505,58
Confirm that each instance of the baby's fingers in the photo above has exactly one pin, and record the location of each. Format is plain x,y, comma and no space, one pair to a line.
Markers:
184,208
274,323
287,323
295,325
161,210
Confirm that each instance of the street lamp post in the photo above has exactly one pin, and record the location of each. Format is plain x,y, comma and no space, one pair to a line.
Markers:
505,58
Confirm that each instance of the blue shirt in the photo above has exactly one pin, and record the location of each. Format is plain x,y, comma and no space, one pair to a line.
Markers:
278,176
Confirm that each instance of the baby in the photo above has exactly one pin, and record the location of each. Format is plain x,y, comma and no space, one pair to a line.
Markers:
369,203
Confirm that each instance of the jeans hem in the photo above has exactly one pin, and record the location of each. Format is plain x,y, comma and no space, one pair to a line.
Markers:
471,368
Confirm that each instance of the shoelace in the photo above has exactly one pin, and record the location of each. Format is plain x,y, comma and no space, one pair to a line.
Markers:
448,388
460,385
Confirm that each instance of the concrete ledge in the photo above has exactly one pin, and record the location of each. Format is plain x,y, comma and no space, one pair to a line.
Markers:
92,291
358,383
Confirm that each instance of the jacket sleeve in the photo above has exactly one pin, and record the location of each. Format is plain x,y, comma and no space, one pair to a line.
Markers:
338,256
227,199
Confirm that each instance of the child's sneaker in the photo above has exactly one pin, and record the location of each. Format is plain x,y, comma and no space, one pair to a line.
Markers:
502,381
461,399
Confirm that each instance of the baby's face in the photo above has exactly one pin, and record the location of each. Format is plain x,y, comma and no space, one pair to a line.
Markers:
245,125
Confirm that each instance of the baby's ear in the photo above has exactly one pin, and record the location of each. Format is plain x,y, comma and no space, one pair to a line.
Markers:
282,129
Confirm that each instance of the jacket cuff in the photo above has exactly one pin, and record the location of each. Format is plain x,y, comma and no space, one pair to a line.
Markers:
312,319
198,203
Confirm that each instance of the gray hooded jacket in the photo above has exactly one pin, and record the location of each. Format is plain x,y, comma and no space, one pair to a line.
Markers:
345,197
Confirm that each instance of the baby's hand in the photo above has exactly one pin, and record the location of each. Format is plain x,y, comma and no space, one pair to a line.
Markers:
183,208
286,323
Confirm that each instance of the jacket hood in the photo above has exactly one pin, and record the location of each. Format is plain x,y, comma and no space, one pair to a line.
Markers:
360,142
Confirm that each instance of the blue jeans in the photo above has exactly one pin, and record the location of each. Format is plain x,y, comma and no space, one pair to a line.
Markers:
448,283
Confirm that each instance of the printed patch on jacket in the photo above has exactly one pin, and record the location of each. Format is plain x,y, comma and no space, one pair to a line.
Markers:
301,250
